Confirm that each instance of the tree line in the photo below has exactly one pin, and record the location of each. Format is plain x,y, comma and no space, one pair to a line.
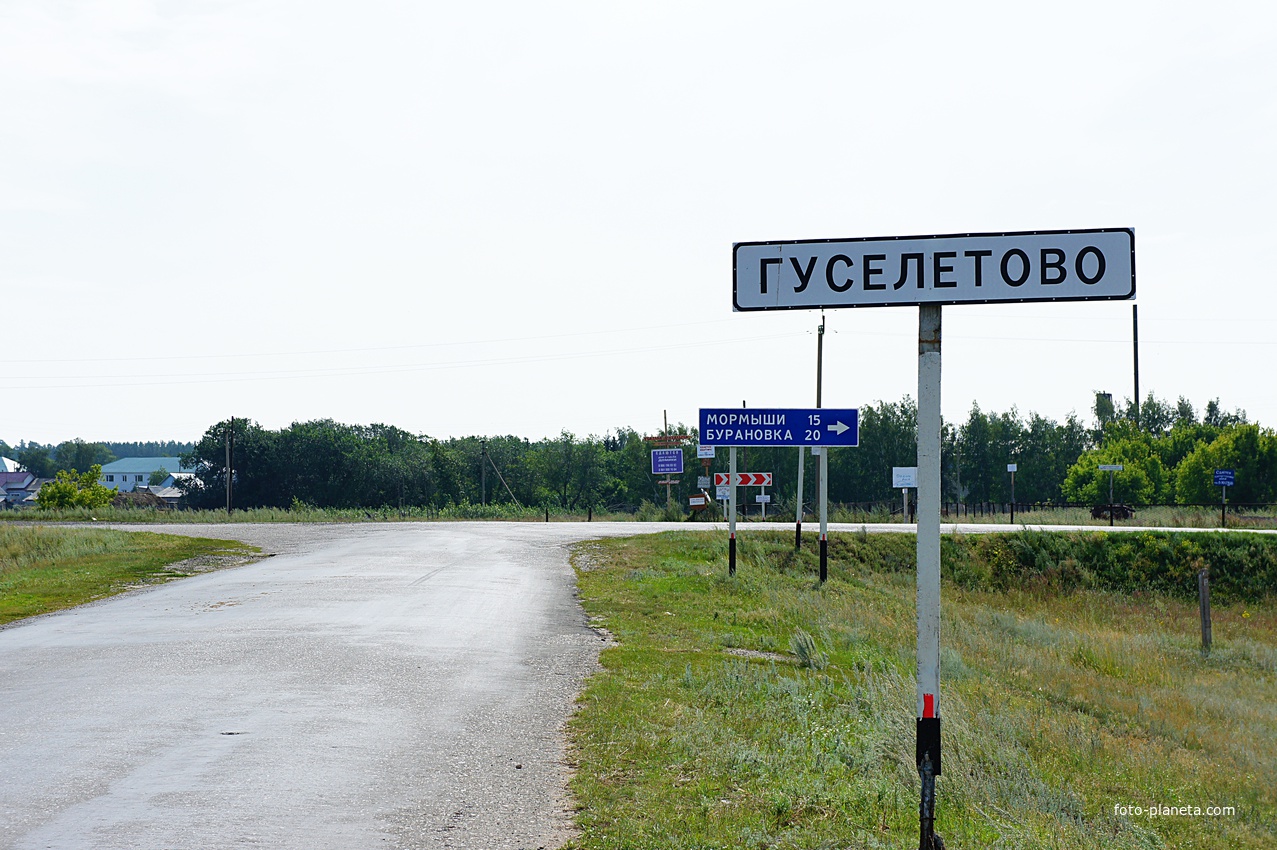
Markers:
1168,451
45,461
1169,454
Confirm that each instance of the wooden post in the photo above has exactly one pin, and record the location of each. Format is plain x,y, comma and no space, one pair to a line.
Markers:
1203,597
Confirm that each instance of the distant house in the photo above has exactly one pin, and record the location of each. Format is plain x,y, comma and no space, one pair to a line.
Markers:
18,489
8,464
129,473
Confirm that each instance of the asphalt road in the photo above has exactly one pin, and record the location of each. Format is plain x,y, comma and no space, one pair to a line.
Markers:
373,685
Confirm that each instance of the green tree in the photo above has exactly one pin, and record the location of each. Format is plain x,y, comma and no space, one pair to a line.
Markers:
1143,480
157,477
37,459
1248,450
75,489
77,454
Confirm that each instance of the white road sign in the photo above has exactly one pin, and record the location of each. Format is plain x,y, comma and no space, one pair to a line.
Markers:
1111,467
904,476
971,268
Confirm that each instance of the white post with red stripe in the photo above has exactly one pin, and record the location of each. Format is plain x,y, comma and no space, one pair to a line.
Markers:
928,741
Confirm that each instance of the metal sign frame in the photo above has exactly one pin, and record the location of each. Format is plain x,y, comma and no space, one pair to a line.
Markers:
955,268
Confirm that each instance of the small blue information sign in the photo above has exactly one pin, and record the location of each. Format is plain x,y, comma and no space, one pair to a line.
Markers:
770,426
667,461
1225,477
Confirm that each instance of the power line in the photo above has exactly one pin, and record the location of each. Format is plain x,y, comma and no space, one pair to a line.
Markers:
269,375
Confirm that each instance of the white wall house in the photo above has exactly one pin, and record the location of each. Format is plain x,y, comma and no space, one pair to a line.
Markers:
129,473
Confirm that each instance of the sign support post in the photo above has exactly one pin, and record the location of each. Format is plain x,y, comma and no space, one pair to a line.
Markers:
928,733
1112,510
824,514
1011,467
798,522
1223,507
731,511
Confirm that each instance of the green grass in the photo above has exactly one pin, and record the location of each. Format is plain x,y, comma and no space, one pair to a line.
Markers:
764,710
47,569
1160,516
308,513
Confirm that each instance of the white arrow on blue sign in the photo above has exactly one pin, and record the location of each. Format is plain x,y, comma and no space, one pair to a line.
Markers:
772,426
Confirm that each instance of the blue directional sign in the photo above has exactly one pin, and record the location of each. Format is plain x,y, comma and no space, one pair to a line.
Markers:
667,461
770,426
1225,477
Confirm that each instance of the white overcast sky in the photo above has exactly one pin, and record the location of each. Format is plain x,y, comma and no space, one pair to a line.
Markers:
517,218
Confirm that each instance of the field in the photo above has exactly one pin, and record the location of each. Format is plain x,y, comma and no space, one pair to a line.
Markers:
765,710
48,569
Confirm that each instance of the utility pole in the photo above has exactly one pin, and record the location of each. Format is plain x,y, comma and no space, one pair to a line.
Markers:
230,445
798,524
665,432
483,472
1135,339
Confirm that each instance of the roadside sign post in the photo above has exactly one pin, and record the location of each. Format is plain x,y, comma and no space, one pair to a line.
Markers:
798,520
731,511
971,268
818,427
904,477
928,704
1011,467
824,514
1111,468
1224,478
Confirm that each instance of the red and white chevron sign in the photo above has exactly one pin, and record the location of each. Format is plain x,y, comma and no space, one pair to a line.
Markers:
745,479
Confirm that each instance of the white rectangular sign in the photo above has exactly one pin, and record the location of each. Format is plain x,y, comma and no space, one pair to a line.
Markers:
1110,467
763,500
970,268
723,492
1011,467
904,476
704,452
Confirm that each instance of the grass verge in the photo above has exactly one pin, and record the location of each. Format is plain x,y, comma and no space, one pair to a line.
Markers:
765,710
48,569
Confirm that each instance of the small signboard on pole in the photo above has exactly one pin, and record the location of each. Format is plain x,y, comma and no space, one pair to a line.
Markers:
1224,478
667,461
704,452
904,476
